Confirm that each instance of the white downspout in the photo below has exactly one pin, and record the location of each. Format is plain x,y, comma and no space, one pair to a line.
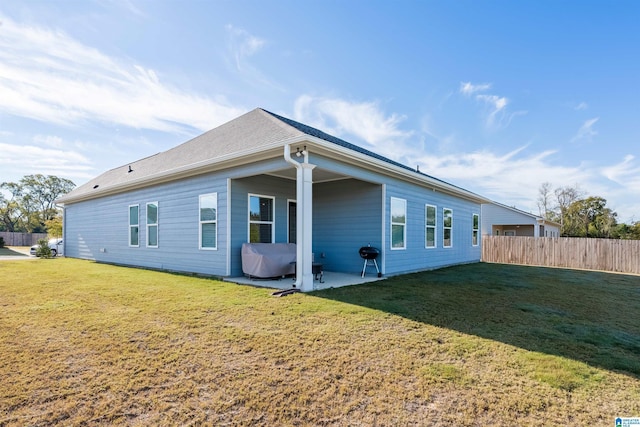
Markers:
304,218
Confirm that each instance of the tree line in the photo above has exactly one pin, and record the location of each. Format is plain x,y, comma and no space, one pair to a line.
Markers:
28,206
580,215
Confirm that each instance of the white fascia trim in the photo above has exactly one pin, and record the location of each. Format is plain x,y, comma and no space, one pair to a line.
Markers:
197,168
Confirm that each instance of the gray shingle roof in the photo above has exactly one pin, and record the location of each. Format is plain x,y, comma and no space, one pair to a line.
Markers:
308,130
250,133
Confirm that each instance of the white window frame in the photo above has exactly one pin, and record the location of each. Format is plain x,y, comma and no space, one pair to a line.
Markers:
201,222
152,225
445,228
433,226
273,216
395,223
136,225
475,225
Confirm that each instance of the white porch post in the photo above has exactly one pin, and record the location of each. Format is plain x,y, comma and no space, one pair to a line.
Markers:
305,225
304,218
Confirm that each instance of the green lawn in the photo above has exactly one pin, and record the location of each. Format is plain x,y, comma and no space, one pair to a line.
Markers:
89,344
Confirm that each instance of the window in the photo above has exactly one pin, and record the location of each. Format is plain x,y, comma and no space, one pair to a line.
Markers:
476,229
134,222
398,223
447,228
430,226
209,221
293,222
152,225
261,219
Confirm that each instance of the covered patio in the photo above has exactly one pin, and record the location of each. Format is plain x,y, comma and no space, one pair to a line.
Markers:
330,279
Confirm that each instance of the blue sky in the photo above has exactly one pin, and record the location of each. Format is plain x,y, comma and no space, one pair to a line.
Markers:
495,96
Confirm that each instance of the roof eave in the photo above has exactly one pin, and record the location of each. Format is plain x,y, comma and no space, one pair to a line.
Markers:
249,156
378,165
193,169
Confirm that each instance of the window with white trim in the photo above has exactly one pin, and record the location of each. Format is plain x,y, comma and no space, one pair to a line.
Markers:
430,226
476,229
152,224
261,224
208,204
447,228
398,223
134,226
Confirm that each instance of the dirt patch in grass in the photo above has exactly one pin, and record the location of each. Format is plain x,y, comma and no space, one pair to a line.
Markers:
89,344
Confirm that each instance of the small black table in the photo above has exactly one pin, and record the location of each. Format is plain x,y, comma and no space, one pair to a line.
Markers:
316,270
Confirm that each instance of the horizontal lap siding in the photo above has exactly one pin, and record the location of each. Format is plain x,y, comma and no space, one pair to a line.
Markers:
416,257
98,229
347,215
263,185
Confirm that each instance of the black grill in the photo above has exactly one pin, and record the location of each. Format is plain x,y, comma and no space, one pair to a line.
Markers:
369,254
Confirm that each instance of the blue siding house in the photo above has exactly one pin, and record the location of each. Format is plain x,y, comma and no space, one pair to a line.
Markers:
265,178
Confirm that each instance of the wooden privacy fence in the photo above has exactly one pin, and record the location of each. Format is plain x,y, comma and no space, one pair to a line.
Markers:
21,239
569,252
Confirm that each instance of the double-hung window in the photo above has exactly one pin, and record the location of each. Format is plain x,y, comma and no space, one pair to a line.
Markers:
209,221
430,226
134,226
261,222
447,227
398,223
152,225
476,229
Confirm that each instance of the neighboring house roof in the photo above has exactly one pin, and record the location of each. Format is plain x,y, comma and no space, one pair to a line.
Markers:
537,218
253,136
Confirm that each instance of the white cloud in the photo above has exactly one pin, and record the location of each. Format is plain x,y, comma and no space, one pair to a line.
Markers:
48,76
586,131
242,45
512,178
581,106
625,173
48,140
27,159
468,88
364,120
624,197
496,105
496,115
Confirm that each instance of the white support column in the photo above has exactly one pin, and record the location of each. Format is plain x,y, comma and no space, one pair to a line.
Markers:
304,221
305,226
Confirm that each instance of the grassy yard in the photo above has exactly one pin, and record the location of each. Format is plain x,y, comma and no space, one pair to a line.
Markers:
90,344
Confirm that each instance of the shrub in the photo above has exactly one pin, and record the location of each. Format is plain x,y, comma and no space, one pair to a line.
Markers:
1,242
43,250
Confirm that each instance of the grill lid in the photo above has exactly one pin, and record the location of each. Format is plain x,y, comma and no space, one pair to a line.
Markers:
369,252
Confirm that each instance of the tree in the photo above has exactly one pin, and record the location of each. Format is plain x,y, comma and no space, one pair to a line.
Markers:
44,190
544,200
10,212
626,231
54,227
590,218
565,196
32,202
